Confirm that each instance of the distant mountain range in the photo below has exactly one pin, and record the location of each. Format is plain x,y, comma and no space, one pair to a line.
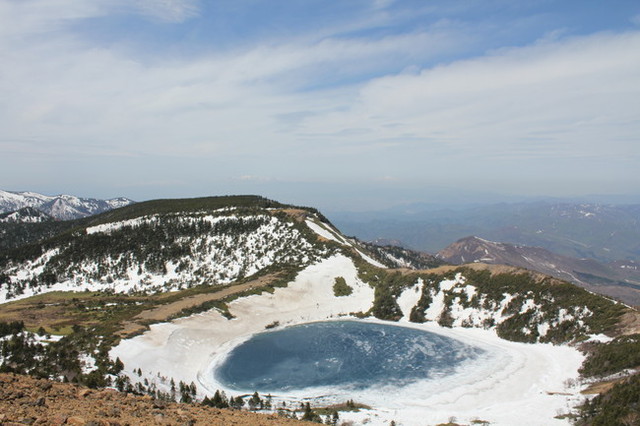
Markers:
580,230
620,279
25,215
60,207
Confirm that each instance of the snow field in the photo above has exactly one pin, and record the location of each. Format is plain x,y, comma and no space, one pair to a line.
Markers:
513,383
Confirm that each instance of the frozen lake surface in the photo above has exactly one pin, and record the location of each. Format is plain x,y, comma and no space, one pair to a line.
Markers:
349,354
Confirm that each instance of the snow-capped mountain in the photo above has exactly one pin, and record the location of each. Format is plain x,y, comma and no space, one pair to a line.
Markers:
25,215
617,279
61,207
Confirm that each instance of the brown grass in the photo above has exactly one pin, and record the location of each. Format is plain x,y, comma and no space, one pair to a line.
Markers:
57,312
629,323
479,266
601,387
298,214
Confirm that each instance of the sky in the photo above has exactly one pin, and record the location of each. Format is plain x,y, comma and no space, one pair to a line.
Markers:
341,105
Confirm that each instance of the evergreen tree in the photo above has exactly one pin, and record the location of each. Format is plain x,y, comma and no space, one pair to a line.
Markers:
219,400
254,401
118,366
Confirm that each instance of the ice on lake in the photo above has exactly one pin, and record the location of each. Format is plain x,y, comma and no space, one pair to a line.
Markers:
347,354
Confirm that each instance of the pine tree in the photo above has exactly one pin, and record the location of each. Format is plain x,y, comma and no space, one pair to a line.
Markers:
254,401
118,366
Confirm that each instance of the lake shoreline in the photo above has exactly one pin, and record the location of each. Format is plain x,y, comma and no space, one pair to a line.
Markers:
526,381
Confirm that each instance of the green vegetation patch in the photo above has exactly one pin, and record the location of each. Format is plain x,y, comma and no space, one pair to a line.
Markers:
185,205
604,359
388,285
539,309
619,406
341,288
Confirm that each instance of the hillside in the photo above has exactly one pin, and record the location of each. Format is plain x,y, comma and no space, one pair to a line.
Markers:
393,256
518,304
25,400
177,246
620,279
167,245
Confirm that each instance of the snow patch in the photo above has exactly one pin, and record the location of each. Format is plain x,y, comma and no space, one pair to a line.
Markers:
324,231
599,338
409,298
88,363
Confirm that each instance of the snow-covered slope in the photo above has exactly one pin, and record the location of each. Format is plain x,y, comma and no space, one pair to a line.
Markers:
62,207
25,215
164,252
328,233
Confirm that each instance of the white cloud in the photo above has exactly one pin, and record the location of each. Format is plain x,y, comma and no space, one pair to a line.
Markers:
31,17
576,97
66,93
24,18
167,10
272,108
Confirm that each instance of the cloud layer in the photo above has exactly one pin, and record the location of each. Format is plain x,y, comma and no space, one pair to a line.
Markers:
334,104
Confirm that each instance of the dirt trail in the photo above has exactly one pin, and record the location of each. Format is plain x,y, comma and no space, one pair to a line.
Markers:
163,312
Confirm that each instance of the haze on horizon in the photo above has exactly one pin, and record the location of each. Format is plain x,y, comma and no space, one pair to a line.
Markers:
340,105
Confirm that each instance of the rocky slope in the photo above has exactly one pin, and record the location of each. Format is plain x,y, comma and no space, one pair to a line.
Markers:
26,400
61,207
617,279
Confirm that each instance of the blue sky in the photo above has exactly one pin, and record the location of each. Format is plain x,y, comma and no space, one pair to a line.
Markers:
340,105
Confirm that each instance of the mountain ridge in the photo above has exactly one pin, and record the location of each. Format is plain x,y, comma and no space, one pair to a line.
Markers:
25,215
61,207
616,279
604,232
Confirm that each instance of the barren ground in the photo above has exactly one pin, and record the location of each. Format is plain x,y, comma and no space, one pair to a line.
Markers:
25,400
